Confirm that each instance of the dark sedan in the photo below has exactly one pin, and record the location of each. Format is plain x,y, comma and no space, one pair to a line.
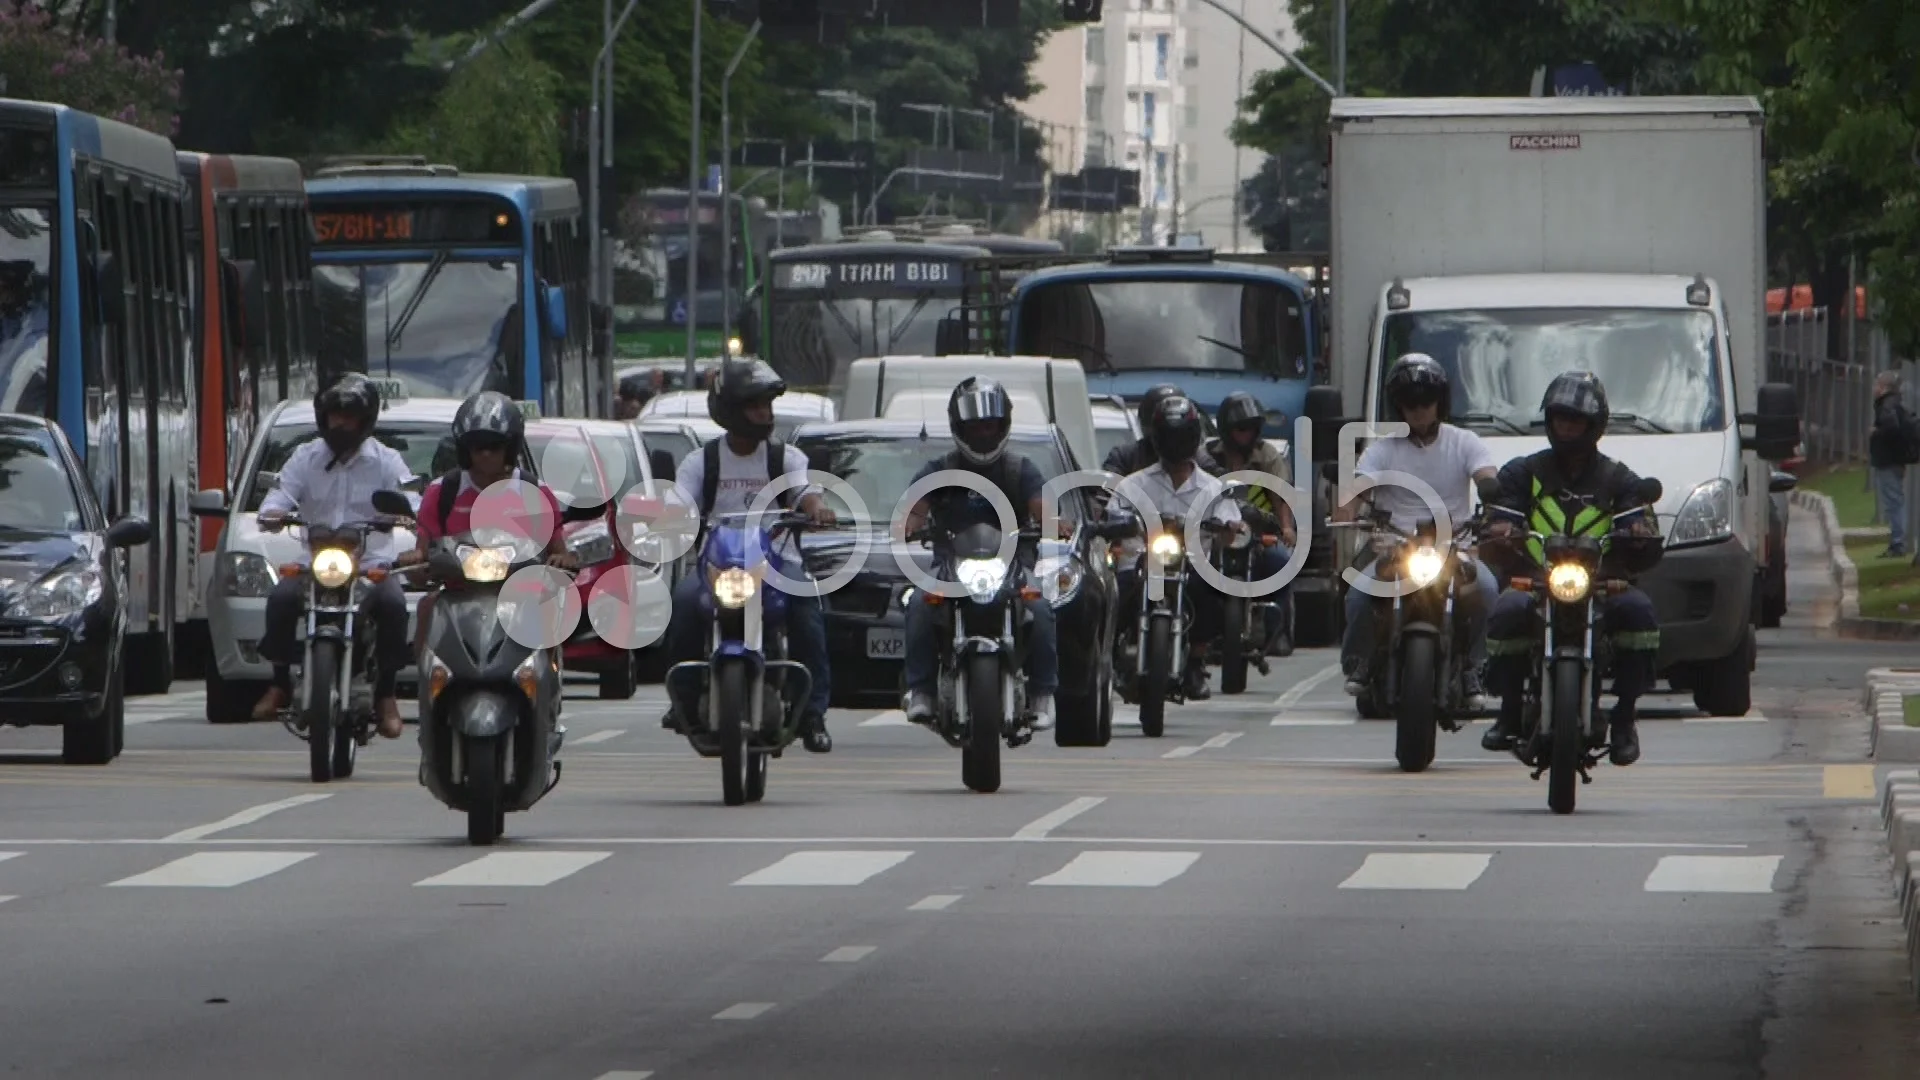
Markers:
866,629
62,572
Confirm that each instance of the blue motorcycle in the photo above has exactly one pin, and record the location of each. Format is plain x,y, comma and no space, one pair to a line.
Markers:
748,707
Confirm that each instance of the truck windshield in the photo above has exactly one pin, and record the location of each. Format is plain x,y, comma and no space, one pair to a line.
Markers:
1213,325
1660,367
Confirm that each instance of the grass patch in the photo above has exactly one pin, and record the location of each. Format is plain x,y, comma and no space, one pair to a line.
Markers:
1847,487
1885,584
1910,710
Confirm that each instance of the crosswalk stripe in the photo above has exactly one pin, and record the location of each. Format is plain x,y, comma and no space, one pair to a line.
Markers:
599,736
215,869
890,718
1418,870
1122,869
517,868
826,868
1713,874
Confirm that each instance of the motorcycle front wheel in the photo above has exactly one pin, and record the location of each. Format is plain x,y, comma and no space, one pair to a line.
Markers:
1563,771
730,714
1153,684
1233,647
322,707
486,816
986,707
1416,712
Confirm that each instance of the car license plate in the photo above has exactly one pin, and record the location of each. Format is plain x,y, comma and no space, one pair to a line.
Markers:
886,644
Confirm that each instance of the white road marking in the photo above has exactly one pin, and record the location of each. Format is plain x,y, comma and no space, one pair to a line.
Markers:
215,869
245,817
624,1074
890,718
4,899
848,954
1714,874
156,707
1421,870
803,841
1316,718
746,1010
826,868
1750,718
517,868
1038,828
1181,752
599,736
1221,740
937,902
1122,869
1298,691
5,855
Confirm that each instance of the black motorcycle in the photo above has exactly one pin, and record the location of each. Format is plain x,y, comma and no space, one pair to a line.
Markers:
489,705
1153,650
1564,733
333,700
1244,637
1419,653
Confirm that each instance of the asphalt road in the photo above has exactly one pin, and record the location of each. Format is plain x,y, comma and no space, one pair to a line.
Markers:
1259,893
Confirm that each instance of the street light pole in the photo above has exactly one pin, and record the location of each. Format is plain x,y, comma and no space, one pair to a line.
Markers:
599,152
1261,37
726,187
1340,48
693,199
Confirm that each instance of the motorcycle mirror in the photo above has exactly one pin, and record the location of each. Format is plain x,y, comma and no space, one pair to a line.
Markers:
445,565
392,502
1648,490
1488,487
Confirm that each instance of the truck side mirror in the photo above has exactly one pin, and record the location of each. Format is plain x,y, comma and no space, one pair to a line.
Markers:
1324,409
1776,423
950,337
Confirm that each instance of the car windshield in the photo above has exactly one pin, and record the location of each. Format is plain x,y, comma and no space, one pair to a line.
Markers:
1661,367
569,464
881,467
25,280
677,444
1107,438
426,445
1209,325
445,327
36,491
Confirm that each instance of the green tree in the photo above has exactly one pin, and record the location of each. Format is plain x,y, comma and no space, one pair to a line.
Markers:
41,60
498,113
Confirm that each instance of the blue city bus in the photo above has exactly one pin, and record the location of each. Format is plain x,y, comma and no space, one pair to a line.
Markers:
96,302
428,276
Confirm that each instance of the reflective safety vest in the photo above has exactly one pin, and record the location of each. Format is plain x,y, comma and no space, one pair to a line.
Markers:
1550,518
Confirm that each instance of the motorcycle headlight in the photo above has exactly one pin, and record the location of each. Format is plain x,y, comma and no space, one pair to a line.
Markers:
484,564
59,595
733,587
1059,577
1706,516
332,567
982,577
1568,582
591,545
1166,548
1424,565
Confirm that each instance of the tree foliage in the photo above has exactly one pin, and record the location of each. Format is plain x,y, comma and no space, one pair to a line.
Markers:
42,60
497,114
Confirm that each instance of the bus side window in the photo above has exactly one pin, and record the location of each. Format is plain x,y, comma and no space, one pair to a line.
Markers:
300,287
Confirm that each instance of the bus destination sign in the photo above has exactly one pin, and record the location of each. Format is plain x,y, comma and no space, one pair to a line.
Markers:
411,222
859,275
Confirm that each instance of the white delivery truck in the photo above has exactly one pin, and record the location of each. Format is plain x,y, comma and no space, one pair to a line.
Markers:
1517,238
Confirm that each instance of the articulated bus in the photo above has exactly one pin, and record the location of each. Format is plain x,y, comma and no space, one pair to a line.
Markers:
453,284
95,303
249,242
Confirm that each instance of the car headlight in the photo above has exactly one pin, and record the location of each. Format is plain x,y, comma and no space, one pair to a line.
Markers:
1424,565
484,564
1166,548
332,567
591,545
1568,582
59,595
982,577
249,575
1059,577
733,587
1707,515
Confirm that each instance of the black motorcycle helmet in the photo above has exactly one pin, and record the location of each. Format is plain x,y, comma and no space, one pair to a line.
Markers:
980,416
1150,404
736,385
1176,430
488,418
356,396
1577,394
1239,411
1418,379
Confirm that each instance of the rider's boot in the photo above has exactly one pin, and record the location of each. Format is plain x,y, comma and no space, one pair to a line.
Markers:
270,703
1505,732
1623,734
1041,705
920,706
391,725
816,738
1357,679
1196,689
1473,690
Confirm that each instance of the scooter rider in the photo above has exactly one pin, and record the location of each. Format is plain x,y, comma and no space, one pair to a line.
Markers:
1450,459
980,416
330,481
1176,485
1576,411
723,477
1241,445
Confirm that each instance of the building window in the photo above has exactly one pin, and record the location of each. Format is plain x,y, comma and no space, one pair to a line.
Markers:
1159,177
1190,115
1096,102
1162,48
1096,45
1193,58
1191,166
1146,116
1133,155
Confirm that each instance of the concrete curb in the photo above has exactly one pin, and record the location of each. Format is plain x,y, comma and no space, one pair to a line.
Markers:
1890,739
1846,577
1900,813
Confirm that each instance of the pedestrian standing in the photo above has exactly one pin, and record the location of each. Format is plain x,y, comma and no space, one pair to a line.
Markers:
1893,445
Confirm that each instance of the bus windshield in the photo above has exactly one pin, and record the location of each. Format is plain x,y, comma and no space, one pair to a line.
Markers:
816,339
25,274
444,326
1191,323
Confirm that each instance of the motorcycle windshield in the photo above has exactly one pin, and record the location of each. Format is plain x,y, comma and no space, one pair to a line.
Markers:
734,543
977,542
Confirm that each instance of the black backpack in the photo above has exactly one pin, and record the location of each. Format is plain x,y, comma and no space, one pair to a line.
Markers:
710,473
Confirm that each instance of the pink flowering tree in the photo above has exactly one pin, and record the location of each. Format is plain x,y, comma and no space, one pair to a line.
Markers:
43,62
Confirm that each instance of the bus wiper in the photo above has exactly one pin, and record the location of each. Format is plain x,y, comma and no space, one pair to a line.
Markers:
399,327
1234,349
1641,423
1500,422
1106,361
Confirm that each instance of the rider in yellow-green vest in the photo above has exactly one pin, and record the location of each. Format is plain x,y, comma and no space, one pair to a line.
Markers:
1572,487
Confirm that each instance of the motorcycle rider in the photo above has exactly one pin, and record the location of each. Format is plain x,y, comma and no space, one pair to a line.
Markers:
1242,445
1137,455
723,477
1575,406
1176,485
1449,459
330,481
489,440
980,417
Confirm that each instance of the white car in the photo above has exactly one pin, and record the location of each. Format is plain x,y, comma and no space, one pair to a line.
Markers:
1115,424
689,407
246,561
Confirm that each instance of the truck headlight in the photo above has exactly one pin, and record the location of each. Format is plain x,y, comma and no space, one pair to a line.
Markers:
1706,516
